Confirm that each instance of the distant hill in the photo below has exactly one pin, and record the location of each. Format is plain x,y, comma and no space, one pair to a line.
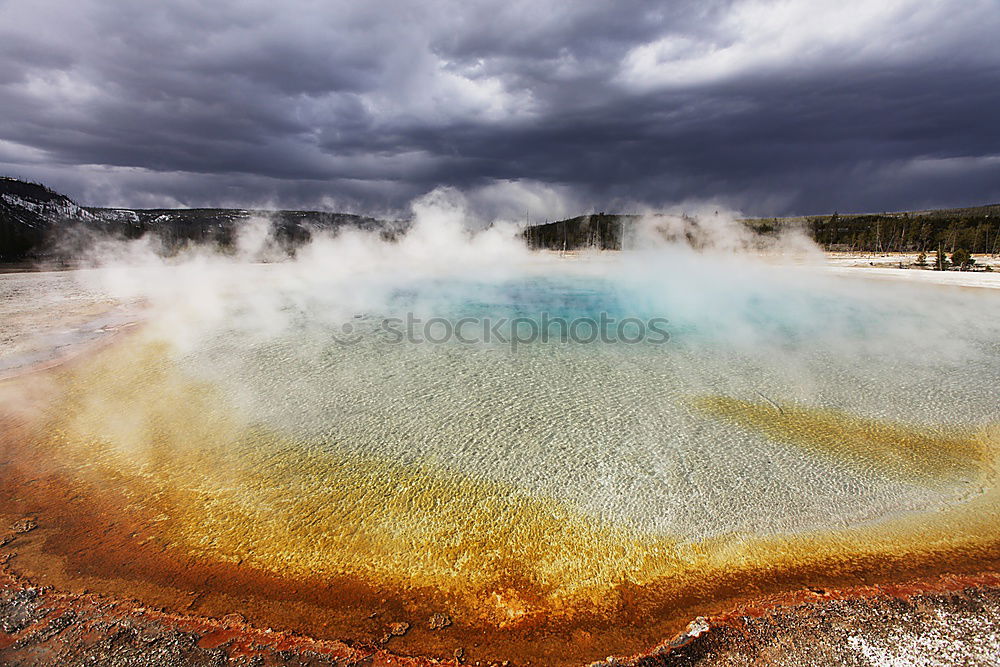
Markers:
37,223
600,231
976,229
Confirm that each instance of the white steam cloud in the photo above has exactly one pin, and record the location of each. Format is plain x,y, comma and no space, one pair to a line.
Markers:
701,265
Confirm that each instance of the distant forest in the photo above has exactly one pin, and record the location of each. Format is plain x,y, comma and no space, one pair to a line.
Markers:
974,230
39,224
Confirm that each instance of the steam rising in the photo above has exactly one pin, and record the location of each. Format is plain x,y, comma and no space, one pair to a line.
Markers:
338,275
573,466
723,287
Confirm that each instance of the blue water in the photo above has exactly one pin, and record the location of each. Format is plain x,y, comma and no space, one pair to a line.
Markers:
608,427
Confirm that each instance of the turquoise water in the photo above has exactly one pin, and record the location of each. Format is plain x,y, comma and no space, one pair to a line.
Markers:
614,430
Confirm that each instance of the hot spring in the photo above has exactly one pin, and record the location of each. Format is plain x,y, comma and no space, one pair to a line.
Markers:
750,428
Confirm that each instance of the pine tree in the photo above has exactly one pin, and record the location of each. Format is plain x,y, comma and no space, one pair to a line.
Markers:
962,259
941,263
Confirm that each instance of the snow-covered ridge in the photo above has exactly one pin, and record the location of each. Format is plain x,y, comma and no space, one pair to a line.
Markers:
117,215
61,207
35,219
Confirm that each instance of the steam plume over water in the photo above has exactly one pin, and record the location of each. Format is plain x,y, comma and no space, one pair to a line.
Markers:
263,417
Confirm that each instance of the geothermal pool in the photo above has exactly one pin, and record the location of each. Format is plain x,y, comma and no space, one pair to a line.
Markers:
791,429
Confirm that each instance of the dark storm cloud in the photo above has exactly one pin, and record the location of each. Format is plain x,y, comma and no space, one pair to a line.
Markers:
772,107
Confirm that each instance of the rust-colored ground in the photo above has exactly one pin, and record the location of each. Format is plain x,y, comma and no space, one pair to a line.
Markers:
96,547
47,626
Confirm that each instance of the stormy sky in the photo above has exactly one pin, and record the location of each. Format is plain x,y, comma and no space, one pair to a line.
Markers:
552,107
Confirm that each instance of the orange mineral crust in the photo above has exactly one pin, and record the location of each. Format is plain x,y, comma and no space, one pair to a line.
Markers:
147,483
811,625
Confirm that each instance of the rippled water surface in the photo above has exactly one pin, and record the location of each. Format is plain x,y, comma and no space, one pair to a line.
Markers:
786,415
621,431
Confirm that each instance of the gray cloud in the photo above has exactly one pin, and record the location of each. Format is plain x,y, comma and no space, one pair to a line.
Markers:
771,107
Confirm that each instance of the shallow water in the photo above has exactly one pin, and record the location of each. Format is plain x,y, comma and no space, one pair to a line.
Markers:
581,422
783,420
